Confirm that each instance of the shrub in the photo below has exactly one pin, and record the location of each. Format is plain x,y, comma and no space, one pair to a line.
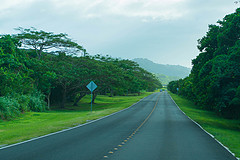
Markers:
23,101
37,102
9,108
12,107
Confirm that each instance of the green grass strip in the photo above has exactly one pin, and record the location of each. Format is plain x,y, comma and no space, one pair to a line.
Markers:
224,130
35,124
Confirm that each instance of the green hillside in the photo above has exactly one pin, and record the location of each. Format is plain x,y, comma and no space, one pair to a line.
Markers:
165,73
166,79
166,69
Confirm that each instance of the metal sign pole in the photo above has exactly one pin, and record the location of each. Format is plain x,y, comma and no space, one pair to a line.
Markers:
91,86
91,101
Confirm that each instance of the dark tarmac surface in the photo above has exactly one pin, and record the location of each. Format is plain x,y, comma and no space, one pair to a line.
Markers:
153,129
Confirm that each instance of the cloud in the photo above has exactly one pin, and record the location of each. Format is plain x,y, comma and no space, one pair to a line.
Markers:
9,6
162,30
150,9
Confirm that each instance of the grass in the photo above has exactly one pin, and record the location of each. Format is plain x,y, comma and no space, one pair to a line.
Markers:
224,130
35,124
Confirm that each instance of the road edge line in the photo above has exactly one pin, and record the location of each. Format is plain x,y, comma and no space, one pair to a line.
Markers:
64,130
205,130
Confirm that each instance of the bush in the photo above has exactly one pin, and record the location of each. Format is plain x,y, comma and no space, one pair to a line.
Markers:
9,108
37,102
23,101
12,107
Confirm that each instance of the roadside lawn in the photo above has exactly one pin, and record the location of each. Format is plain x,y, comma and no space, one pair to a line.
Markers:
35,124
224,130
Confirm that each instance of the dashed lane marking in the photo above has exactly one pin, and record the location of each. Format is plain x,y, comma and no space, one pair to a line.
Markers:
131,136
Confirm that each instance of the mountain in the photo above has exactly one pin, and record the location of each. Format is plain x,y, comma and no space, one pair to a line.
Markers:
165,73
166,79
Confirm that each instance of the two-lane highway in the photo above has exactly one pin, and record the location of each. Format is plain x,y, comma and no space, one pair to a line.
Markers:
170,135
152,129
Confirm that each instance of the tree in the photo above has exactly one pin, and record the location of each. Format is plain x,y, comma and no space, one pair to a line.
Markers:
41,41
214,79
14,74
29,79
17,91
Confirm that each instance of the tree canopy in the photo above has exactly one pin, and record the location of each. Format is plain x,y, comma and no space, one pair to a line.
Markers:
33,76
214,81
45,41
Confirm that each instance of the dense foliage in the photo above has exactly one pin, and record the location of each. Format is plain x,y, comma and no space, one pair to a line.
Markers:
38,68
214,81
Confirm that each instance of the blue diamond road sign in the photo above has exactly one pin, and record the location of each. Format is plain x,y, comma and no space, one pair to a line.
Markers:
91,86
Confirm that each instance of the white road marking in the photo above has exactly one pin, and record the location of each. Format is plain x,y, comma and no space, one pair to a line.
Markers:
205,130
12,145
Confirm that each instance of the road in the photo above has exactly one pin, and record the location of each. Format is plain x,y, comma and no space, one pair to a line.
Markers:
153,129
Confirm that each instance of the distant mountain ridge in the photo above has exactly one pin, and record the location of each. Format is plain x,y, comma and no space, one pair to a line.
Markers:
169,70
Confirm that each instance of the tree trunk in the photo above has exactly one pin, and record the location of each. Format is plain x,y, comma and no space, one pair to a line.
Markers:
111,94
79,98
39,53
48,99
63,98
94,97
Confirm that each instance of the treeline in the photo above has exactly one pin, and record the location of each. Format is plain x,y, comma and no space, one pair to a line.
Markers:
214,82
39,68
164,79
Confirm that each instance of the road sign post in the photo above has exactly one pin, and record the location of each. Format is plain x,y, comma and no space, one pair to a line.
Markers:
91,86
91,101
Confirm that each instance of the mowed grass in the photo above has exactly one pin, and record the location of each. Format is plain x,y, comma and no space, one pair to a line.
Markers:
224,130
35,124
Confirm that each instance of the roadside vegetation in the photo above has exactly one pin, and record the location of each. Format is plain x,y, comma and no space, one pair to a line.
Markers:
41,69
214,82
210,95
224,130
35,124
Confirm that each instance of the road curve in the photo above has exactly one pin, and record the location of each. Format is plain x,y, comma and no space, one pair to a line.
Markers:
153,129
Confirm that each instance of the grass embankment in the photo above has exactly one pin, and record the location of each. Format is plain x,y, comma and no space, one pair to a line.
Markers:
224,130
34,124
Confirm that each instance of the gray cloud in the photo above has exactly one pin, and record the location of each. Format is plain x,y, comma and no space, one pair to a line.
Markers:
165,31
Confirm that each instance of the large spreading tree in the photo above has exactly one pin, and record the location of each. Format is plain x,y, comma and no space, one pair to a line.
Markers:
41,41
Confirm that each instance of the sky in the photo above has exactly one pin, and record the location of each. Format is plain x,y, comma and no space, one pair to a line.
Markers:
164,31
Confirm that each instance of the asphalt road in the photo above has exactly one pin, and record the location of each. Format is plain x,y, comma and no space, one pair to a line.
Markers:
153,129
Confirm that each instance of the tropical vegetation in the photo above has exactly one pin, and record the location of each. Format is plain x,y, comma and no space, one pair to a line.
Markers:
214,82
39,68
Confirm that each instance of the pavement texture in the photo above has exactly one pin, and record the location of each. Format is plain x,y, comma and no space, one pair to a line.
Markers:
153,129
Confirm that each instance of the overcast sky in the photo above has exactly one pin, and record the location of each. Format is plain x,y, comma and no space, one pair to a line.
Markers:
164,31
